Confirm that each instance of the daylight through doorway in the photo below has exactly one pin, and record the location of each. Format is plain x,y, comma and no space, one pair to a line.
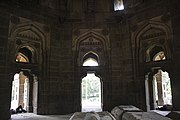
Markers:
91,97
162,89
19,94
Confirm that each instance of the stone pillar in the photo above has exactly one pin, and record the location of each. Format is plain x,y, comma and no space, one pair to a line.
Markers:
26,93
154,94
29,106
35,94
21,89
159,88
147,92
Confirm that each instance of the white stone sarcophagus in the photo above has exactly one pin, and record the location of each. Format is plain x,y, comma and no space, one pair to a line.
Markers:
118,111
143,116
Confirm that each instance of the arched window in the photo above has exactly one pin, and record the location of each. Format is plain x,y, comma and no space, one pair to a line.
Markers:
24,55
155,54
21,58
159,56
118,5
90,59
90,62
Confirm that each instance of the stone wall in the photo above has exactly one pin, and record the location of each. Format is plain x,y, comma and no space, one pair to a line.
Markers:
5,86
59,75
176,64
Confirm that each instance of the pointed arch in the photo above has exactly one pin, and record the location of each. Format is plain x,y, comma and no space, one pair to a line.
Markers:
28,31
90,62
90,34
35,30
152,29
152,25
91,54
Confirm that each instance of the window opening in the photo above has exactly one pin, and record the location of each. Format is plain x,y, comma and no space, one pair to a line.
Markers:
21,58
159,56
90,62
118,5
155,54
24,55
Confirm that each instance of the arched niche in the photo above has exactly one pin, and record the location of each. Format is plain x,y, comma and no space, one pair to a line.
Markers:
152,33
90,41
32,39
30,36
148,39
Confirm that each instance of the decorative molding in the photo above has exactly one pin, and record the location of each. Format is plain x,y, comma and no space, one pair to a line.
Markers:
80,36
90,41
151,34
29,34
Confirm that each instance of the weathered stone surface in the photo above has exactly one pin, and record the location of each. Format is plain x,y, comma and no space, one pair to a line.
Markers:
54,31
92,116
143,116
119,111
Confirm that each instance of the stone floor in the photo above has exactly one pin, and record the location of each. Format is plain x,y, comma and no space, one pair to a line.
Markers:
31,116
163,113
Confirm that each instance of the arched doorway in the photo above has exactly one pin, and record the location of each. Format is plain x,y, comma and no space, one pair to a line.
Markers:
24,91
27,41
24,84
162,89
91,87
20,91
91,93
158,82
91,46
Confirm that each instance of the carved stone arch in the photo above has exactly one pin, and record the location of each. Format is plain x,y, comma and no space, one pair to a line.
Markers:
153,24
91,52
149,31
93,34
86,40
87,55
27,34
22,30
